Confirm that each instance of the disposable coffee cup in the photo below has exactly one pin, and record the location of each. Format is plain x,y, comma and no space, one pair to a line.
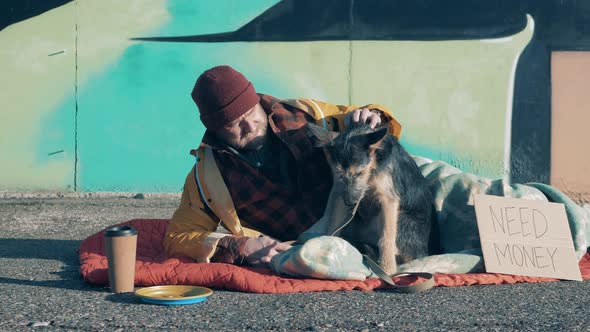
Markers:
120,247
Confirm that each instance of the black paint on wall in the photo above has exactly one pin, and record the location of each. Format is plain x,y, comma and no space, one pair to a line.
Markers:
531,116
559,25
313,20
14,11
435,19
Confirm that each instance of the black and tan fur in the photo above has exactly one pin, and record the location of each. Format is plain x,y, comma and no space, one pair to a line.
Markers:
392,221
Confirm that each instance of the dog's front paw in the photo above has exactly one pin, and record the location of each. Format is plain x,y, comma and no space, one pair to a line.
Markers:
388,264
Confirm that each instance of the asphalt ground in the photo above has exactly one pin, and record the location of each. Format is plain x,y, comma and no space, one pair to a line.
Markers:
41,288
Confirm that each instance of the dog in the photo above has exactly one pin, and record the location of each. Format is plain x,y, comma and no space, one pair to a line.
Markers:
379,188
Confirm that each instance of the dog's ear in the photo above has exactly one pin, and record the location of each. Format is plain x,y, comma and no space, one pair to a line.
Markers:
376,136
320,136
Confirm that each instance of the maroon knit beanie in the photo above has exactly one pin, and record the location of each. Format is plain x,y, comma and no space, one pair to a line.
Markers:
222,95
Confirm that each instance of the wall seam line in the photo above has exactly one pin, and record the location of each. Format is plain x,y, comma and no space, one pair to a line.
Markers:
351,21
76,97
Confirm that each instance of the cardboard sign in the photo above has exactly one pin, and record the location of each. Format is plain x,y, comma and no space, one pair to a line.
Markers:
526,237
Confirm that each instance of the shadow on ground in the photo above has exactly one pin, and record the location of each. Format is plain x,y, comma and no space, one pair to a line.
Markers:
65,251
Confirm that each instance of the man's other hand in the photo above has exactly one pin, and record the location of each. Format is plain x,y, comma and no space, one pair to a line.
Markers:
258,252
363,115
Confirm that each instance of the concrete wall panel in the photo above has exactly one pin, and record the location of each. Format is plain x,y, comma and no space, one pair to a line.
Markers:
37,75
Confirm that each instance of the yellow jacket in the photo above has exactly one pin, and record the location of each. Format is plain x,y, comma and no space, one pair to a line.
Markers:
192,231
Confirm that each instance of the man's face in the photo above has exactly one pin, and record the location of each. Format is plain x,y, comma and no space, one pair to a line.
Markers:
247,132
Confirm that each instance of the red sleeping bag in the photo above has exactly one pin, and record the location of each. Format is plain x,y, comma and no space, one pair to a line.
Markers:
152,268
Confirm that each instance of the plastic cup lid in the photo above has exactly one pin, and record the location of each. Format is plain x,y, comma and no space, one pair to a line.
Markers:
125,230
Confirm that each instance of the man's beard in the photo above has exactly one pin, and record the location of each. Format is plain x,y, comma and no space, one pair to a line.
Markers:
256,143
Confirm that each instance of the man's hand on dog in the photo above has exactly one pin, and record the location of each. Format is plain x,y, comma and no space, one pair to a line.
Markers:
363,115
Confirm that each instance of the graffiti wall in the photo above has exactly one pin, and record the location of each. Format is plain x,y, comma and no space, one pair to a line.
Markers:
96,94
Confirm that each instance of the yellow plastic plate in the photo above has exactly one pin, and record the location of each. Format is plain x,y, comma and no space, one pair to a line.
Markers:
173,294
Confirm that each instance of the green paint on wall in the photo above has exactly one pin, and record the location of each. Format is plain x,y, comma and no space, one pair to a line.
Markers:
452,96
33,85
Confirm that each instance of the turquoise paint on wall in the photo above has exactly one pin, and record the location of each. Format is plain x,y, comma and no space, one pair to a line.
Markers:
137,121
203,17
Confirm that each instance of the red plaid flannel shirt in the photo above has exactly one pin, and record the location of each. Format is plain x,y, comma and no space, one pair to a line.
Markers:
268,206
